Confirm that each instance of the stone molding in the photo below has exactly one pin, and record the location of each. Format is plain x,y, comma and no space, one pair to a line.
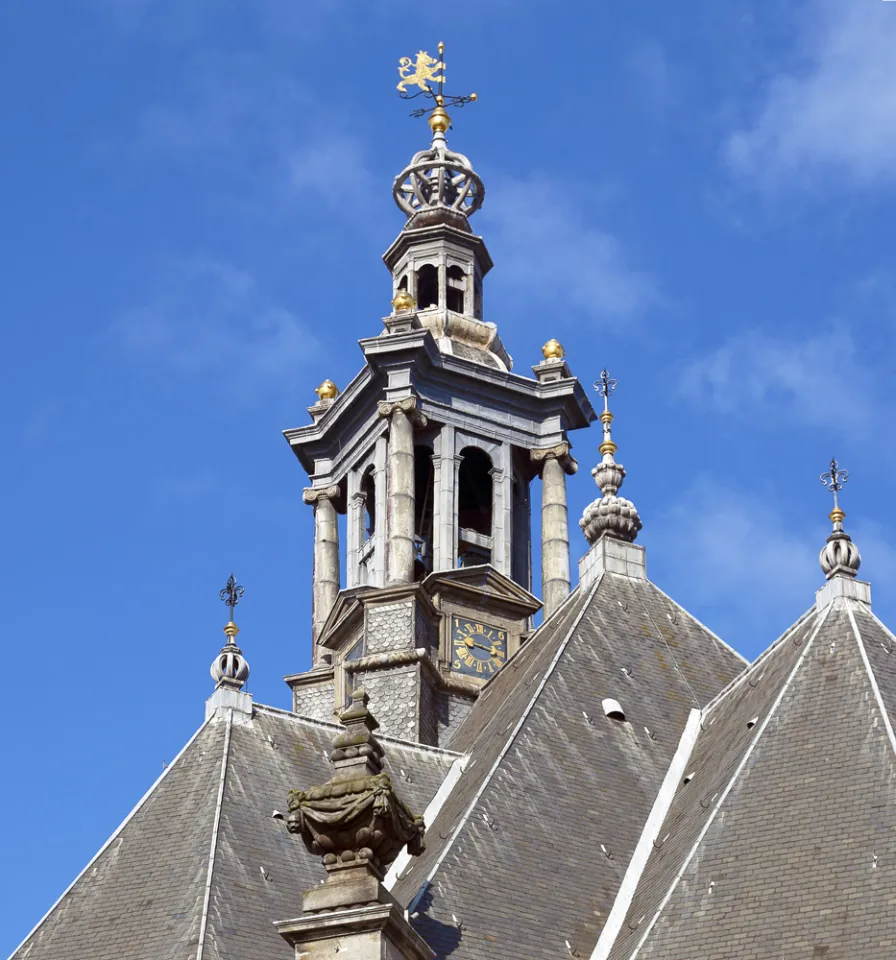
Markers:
560,453
313,494
408,406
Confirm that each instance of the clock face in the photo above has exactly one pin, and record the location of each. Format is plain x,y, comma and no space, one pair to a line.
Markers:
478,650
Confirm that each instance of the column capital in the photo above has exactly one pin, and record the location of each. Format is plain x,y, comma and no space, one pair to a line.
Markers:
408,406
313,494
560,453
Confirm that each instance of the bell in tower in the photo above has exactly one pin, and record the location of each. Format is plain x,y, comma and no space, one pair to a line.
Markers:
430,452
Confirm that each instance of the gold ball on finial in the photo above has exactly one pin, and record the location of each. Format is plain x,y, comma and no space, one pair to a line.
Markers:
403,301
327,391
439,121
474,97
553,350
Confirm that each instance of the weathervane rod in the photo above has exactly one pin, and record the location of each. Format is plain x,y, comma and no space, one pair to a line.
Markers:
231,594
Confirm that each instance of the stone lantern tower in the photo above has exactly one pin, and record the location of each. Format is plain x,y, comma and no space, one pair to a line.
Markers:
429,453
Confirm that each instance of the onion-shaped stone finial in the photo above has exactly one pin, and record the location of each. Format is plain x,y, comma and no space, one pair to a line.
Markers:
839,555
610,515
230,668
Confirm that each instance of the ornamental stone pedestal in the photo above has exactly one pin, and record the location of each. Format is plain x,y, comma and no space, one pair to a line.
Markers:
358,825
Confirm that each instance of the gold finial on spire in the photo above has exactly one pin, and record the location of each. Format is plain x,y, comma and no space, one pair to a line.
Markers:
428,75
553,350
327,391
403,301
839,555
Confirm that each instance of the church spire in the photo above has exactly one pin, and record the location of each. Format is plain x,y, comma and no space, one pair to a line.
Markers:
839,555
610,515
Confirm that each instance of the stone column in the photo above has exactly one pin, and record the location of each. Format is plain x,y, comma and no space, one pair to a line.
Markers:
555,577
325,582
402,416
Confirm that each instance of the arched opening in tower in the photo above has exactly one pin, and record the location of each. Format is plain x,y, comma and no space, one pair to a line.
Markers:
368,489
474,508
423,511
454,295
427,286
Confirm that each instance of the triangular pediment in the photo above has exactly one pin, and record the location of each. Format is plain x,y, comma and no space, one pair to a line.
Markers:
482,582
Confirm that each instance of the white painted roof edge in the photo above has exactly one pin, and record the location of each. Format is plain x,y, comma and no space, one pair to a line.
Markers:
872,677
219,802
699,623
112,838
723,796
513,735
429,816
648,837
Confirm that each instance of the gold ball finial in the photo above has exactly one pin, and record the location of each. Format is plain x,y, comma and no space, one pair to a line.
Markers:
474,97
553,350
439,121
327,391
403,301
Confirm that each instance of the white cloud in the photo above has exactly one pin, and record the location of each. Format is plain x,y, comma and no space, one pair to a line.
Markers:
209,319
548,249
798,379
836,111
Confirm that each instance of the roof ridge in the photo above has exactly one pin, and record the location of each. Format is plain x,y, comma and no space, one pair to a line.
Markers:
311,721
511,738
113,836
732,780
206,899
751,668
699,623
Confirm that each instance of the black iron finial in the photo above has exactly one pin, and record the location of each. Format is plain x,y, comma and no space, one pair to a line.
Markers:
232,593
834,480
605,386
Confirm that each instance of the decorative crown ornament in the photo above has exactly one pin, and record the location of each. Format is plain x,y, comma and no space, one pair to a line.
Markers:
610,515
356,820
839,555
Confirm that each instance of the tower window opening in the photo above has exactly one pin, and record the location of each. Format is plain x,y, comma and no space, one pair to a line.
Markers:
403,283
423,511
368,488
474,507
427,286
454,294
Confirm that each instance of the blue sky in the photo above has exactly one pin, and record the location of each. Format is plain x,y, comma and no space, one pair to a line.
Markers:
196,196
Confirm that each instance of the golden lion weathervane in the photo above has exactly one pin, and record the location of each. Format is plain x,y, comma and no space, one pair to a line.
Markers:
424,72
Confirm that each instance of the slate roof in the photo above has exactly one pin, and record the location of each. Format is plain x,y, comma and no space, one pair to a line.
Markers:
530,847
143,896
783,842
